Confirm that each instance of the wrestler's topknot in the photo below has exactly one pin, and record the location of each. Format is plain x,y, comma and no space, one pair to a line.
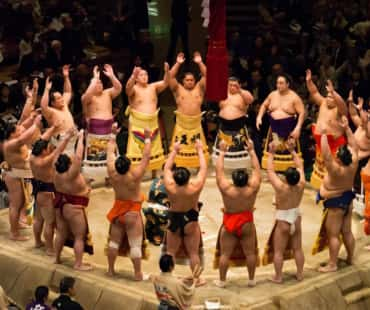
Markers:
181,175
39,146
292,176
122,164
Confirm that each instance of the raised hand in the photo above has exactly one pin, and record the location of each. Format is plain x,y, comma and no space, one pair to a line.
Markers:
272,147
80,134
35,85
136,71
344,122
108,71
147,133
28,92
180,58
329,86
295,134
308,75
197,58
70,132
198,145
223,146
48,84
290,144
166,67
249,145
177,146
115,129
96,72
38,120
65,71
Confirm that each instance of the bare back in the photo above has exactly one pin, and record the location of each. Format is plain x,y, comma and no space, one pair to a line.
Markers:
74,185
239,199
233,107
363,142
183,198
144,99
338,180
100,107
328,120
42,168
282,106
289,197
189,101
15,156
126,187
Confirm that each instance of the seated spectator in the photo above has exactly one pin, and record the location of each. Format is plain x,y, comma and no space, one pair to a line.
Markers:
64,301
41,296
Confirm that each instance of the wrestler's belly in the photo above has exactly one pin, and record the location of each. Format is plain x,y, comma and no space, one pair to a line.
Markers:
145,108
231,114
334,190
101,115
17,162
232,210
280,114
329,126
189,109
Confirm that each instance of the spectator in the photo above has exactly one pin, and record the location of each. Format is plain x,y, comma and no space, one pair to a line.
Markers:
41,296
64,301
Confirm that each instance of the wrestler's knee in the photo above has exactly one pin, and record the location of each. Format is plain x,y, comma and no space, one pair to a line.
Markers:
135,248
113,245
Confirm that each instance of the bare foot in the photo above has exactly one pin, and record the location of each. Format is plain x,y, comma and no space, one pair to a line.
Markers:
83,267
39,244
141,277
252,283
328,268
111,273
219,283
200,282
349,261
299,276
50,252
19,238
276,280
22,225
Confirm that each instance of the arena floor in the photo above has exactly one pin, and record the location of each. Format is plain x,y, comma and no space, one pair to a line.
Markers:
101,201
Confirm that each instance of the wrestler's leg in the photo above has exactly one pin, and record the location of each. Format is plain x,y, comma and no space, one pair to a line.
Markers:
16,203
173,240
115,239
61,234
227,244
38,224
192,242
348,239
297,248
333,226
248,242
46,206
134,229
76,220
281,238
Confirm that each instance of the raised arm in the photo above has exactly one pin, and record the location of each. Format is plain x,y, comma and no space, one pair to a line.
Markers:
203,69
353,108
202,173
222,183
139,171
31,99
326,152
111,151
174,70
46,110
167,171
299,108
247,96
26,137
312,89
256,177
263,108
290,145
117,86
162,85
130,91
350,138
341,105
75,169
48,133
273,177
67,88
63,144
89,93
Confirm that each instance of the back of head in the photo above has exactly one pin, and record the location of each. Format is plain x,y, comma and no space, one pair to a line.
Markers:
122,164
181,175
41,293
39,146
66,284
292,176
239,177
344,155
166,263
9,129
63,163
